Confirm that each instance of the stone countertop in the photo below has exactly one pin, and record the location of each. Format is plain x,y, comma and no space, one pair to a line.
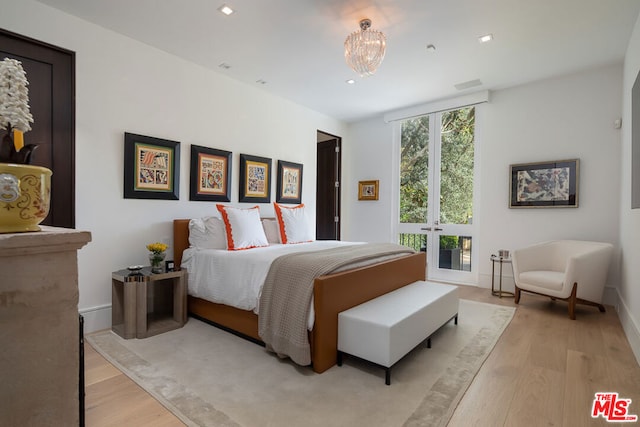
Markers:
47,240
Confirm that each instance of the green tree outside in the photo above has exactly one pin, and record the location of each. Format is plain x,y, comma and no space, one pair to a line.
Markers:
457,162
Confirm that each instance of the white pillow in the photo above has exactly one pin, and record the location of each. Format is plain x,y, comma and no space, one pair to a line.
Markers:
243,227
207,233
293,224
271,230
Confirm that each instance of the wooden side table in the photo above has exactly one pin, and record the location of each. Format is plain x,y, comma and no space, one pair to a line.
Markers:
146,304
499,292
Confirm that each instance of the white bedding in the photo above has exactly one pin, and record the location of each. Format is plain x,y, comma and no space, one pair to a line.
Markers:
235,278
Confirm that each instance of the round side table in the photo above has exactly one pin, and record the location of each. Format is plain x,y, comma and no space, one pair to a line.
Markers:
499,292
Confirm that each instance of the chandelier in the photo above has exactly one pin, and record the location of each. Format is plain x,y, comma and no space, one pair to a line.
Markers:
364,49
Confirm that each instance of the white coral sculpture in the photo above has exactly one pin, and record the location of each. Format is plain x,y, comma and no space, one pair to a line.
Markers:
14,96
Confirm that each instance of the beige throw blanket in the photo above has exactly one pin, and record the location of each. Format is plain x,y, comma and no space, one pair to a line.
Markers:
288,288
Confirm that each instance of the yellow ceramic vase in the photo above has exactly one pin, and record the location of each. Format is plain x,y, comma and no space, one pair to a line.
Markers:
25,191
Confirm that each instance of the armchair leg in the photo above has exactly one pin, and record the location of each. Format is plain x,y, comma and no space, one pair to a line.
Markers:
594,304
572,302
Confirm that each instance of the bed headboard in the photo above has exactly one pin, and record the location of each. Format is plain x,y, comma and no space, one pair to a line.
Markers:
180,239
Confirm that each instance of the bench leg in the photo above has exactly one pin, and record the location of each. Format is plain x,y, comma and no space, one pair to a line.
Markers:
455,322
387,376
339,358
429,342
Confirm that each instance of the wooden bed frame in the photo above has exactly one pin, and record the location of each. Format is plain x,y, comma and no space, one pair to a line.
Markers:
332,294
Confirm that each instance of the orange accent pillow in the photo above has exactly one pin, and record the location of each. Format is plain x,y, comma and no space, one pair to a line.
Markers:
293,224
243,227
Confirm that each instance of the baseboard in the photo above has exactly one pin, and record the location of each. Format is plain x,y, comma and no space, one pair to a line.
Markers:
96,318
630,327
609,297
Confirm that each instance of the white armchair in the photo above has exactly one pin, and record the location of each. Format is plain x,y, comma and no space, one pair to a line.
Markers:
571,270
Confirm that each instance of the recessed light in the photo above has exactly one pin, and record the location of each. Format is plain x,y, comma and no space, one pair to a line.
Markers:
431,48
262,82
485,38
224,66
350,81
226,9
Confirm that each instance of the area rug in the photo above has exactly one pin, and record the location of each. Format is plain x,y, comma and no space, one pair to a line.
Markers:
209,377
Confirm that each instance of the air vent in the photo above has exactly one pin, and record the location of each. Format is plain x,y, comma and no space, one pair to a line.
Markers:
469,84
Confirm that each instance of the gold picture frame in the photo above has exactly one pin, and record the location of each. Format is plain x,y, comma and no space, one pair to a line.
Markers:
368,190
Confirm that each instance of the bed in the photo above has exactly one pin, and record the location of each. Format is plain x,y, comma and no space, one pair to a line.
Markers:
332,294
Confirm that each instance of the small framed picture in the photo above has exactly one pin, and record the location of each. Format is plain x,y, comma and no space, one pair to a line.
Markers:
289,184
151,168
255,179
552,184
368,190
169,266
210,178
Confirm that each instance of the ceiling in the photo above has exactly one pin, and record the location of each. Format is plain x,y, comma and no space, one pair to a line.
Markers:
296,46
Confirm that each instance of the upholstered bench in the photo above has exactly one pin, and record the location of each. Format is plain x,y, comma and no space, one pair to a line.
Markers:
388,327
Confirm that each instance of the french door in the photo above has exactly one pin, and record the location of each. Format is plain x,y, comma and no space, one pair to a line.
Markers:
437,168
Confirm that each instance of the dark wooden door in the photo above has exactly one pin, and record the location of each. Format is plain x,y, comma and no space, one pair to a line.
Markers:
328,187
51,74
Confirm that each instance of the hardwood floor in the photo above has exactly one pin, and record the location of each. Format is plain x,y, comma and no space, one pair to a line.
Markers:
543,371
546,368
112,399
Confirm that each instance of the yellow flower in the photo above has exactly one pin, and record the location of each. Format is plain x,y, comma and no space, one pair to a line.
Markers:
157,247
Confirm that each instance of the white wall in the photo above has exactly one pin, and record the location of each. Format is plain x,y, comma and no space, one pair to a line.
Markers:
126,86
560,118
629,289
368,155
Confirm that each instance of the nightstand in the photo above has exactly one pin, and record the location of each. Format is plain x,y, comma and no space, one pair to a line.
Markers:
146,304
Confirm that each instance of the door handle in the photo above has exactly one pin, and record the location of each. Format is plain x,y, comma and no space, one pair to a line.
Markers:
437,229
431,229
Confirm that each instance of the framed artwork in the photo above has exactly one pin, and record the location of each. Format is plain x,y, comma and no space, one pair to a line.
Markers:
210,174
255,179
151,168
368,190
545,184
289,184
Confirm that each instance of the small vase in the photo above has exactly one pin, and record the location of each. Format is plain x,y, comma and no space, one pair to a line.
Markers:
156,258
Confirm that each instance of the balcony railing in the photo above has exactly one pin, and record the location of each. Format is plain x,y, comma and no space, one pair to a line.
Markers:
457,258
416,241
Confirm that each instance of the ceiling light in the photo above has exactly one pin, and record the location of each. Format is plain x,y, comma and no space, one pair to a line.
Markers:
262,82
431,48
485,38
226,9
224,65
350,81
364,50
